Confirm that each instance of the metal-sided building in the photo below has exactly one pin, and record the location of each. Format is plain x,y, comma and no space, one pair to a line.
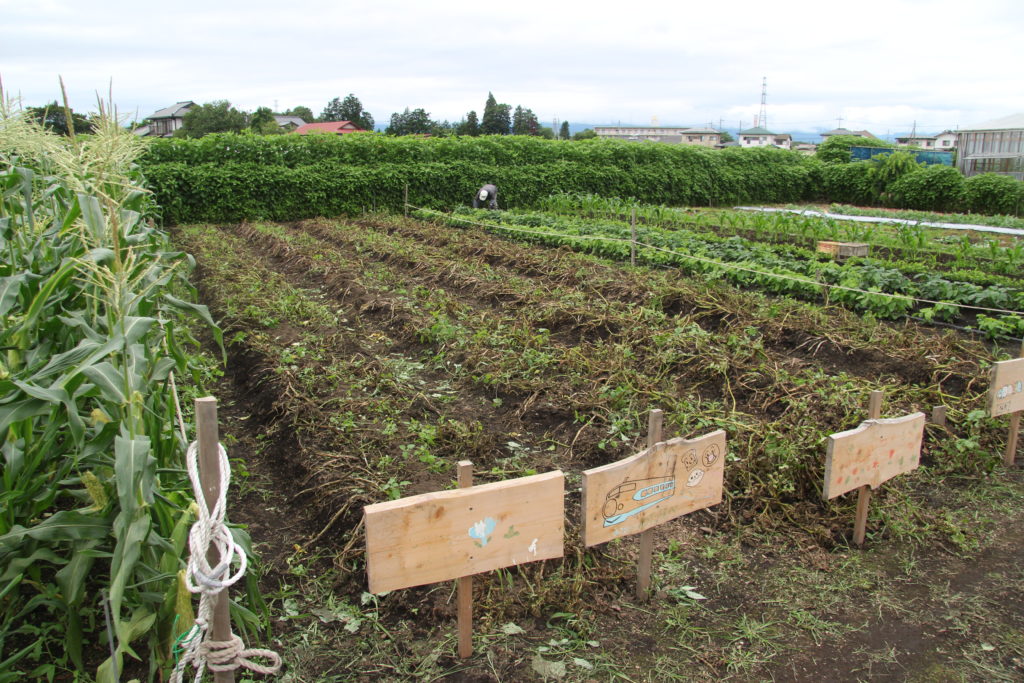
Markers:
995,146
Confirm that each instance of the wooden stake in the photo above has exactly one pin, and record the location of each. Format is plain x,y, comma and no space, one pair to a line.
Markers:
208,436
1010,456
405,200
655,430
465,583
632,244
1011,441
860,524
939,416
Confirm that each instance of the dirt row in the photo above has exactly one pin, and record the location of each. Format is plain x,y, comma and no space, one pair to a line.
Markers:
348,383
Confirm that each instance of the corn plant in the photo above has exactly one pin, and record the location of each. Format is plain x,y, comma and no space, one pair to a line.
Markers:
93,499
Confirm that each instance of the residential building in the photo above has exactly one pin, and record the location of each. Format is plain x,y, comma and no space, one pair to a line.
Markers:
922,141
336,127
844,131
946,140
680,135
163,123
762,137
288,123
995,146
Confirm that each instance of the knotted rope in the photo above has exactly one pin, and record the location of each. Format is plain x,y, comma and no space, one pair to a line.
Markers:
209,528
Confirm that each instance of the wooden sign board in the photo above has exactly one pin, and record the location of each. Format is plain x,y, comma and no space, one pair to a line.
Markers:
874,452
1007,392
449,534
665,481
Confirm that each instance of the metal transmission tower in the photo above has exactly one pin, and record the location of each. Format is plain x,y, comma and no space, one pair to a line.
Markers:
762,117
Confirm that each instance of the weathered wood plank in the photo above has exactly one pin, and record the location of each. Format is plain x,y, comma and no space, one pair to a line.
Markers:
1006,394
448,534
660,483
874,452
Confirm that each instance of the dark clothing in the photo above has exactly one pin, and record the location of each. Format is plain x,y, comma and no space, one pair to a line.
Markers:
491,200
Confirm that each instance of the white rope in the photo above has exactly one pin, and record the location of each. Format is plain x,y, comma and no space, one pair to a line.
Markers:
199,650
723,264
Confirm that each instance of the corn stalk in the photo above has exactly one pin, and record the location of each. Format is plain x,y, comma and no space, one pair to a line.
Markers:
93,497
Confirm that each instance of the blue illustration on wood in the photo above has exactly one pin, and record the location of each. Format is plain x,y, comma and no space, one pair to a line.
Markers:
482,531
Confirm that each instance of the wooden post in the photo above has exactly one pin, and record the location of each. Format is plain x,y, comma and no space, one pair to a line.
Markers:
655,430
208,436
465,583
405,200
632,244
864,492
939,416
1011,439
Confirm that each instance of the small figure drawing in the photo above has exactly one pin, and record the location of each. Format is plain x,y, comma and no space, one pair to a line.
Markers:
482,531
695,477
486,195
710,454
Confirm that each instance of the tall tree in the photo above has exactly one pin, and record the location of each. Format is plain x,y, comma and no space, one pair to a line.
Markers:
563,132
304,113
469,126
524,122
212,117
263,122
348,109
52,117
415,122
497,119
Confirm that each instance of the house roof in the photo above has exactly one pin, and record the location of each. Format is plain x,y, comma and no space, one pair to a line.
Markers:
1011,122
759,130
175,111
700,131
142,131
283,120
339,127
838,131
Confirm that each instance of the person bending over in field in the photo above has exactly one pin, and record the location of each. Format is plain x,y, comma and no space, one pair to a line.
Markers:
488,194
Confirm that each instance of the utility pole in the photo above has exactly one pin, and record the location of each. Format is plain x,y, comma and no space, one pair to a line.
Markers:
839,121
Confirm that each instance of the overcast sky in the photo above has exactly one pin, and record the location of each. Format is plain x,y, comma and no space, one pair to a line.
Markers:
880,64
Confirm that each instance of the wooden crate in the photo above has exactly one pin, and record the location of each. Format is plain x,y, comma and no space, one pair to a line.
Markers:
842,250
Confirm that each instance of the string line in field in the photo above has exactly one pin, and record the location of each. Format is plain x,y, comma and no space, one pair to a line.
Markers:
723,264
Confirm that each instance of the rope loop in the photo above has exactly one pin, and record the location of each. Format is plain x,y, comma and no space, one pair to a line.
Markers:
210,531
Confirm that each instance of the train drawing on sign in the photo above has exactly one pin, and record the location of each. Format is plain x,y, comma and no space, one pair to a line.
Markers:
633,496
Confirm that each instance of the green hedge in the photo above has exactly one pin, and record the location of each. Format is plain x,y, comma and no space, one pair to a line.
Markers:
932,188
195,186
992,193
229,177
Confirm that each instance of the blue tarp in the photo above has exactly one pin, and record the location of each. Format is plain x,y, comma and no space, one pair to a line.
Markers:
920,155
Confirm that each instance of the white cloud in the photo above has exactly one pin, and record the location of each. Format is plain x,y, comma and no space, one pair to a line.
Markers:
880,64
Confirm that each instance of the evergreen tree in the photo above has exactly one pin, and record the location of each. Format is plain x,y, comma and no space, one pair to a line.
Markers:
415,122
519,121
469,126
563,132
497,119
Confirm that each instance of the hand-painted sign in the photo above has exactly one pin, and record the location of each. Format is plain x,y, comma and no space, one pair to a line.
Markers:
874,452
1007,388
663,482
448,534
